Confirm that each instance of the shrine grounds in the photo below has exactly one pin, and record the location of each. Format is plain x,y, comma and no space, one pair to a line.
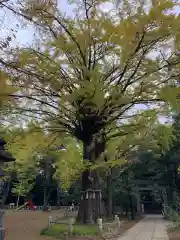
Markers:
23,225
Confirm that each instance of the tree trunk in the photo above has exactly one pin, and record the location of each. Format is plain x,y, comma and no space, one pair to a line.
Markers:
85,213
45,200
174,183
58,193
90,180
109,197
127,209
17,202
131,204
138,201
164,202
46,183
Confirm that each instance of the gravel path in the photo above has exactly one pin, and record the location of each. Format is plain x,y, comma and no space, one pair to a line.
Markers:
27,225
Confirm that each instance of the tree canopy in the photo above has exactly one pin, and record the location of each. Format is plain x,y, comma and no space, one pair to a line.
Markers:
93,69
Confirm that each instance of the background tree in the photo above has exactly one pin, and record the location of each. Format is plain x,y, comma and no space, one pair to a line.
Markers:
46,170
46,157
169,163
23,185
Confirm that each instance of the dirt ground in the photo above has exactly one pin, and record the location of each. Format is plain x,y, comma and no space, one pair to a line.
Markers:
174,236
27,225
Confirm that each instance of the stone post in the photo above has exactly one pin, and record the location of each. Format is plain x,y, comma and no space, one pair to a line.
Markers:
65,236
70,226
100,226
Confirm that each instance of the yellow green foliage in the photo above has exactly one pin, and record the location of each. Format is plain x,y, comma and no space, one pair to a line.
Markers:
5,89
69,163
31,144
172,94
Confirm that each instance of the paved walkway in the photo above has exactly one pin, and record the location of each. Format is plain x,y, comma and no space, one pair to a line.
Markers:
153,227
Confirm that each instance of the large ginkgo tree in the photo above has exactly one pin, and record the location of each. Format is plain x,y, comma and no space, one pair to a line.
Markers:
95,74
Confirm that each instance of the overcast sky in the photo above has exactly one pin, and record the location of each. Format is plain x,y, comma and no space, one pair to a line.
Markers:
25,36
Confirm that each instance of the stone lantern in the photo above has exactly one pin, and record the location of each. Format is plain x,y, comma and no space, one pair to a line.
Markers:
4,157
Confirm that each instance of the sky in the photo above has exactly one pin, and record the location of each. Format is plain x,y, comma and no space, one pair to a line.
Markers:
23,35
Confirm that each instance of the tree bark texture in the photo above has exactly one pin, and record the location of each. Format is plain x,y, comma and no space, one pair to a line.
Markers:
109,196
90,209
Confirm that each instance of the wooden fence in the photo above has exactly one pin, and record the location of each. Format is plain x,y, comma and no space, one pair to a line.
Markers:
67,210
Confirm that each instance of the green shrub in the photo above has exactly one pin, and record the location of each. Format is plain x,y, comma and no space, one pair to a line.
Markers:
175,227
173,215
175,218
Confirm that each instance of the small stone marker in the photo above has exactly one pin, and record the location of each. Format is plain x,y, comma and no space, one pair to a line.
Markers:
50,221
118,222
